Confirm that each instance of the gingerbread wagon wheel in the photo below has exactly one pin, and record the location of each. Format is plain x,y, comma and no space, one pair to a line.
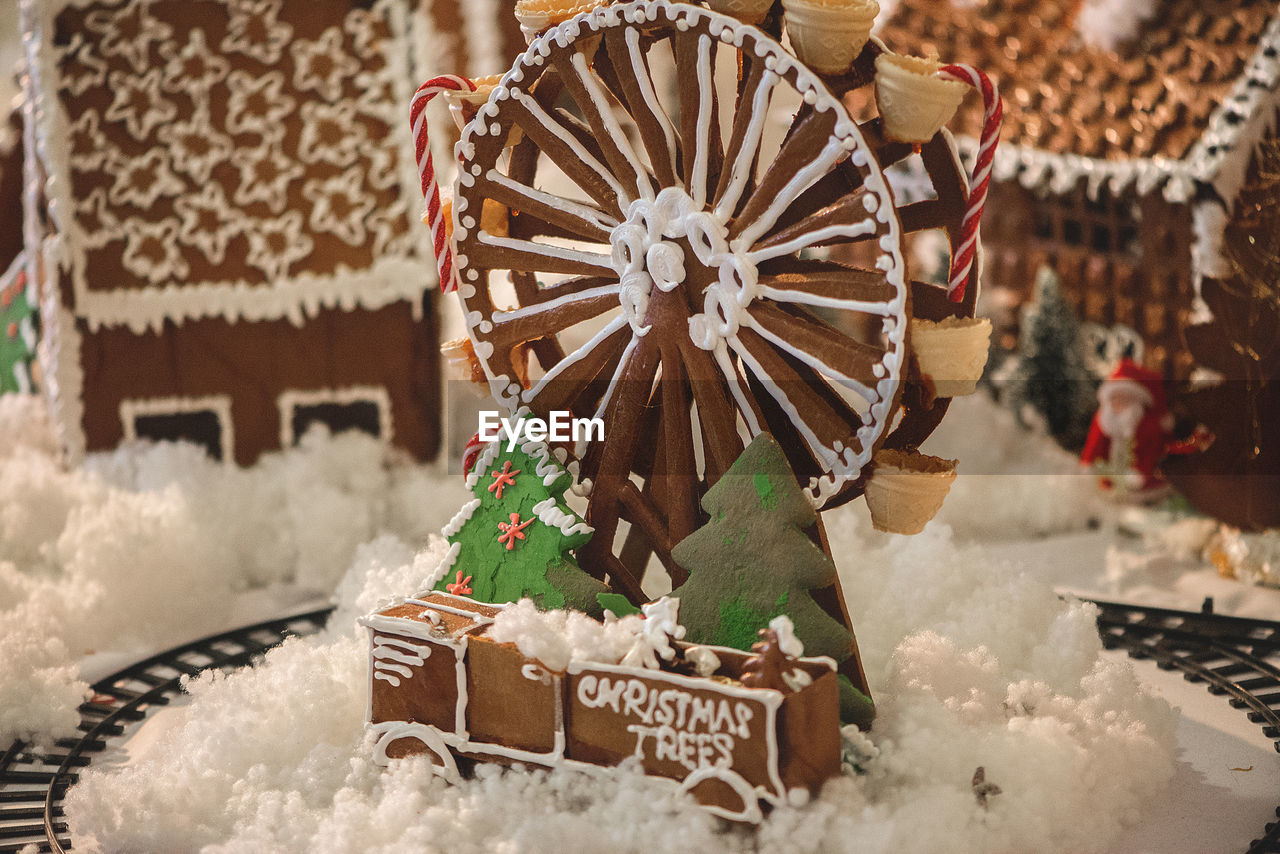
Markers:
666,261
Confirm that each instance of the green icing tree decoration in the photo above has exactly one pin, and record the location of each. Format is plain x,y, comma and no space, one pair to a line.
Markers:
17,330
753,561
513,539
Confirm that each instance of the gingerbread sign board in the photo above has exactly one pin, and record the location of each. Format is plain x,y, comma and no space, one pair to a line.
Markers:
441,686
228,240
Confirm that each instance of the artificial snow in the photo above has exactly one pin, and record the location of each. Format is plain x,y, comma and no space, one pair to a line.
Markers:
1107,24
150,546
972,658
559,638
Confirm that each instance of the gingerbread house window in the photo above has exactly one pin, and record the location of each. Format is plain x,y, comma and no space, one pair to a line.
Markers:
1105,224
363,408
203,421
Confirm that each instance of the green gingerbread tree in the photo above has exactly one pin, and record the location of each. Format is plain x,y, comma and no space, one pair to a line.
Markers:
17,330
513,539
753,561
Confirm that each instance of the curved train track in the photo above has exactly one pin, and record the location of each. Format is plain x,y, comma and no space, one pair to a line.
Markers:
1234,657
32,784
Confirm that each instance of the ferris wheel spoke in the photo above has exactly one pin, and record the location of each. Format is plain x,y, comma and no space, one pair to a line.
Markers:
810,340
716,412
577,218
817,152
678,473
699,122
845,221
562,384
820,425
743,149
589,94
511,253
919,216
824,284
635,82
566,150
535,321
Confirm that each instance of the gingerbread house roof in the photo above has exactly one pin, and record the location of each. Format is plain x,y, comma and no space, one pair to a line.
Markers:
1178,104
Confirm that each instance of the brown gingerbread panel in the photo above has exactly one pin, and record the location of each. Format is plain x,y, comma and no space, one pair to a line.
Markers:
252,365
674,726
428,695
511,700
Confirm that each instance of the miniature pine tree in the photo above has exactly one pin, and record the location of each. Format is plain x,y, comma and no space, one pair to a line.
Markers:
752,561
1052,377
513,539
17,331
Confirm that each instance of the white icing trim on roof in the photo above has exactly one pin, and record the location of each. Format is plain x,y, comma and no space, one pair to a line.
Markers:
1219,159
386,281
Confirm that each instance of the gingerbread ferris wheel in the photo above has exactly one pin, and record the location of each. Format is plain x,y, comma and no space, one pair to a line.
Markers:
697,241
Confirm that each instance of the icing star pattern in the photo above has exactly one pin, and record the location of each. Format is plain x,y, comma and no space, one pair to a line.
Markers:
503,478
304,119
512,531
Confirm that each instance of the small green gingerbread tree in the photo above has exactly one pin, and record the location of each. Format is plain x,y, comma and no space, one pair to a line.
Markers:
17,330
513,539
752,561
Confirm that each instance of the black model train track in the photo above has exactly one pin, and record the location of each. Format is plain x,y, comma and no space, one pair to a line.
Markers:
33,782
1234,657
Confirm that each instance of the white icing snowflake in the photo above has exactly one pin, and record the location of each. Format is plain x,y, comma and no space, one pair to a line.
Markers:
370,31
96,220
257,103
208,222
274,245
86,143
265,174
390,227
384,168
138,103
129,32
339,206
193,68
152,250
331,133
323,65
80,67
656,631
256,31
196,145
140,180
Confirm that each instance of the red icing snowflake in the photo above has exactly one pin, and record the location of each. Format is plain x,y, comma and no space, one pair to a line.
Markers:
513,531
506,477
460,586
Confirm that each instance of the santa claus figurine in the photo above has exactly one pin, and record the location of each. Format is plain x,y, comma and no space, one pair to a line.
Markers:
1131,431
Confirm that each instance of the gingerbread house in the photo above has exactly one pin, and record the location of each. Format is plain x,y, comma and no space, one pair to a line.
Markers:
222,211
1130,131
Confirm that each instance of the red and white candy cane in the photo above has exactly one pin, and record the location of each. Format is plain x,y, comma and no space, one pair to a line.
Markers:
470,453
426,169
962,261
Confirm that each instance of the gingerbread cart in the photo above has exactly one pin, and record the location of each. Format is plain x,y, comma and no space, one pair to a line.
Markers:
441,687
